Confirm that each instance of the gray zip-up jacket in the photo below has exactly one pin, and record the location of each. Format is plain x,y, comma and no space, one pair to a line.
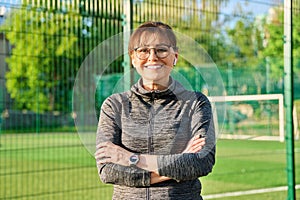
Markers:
159,123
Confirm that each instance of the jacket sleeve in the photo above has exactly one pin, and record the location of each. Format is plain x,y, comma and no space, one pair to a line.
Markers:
109,129
190,166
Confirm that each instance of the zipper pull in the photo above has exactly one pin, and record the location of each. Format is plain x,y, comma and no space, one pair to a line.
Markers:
153,92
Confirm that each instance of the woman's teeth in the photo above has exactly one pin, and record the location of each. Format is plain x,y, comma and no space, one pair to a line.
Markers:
153,66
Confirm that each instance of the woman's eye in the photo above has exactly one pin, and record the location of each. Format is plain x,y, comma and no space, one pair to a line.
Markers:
144,50
161,50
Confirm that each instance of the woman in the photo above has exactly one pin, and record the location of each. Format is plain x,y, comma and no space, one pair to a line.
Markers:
156,140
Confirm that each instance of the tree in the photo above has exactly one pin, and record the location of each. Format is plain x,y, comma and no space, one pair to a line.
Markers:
246,44
274,40
43,45
49,44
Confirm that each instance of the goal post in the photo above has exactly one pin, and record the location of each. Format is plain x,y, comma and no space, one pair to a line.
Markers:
258,98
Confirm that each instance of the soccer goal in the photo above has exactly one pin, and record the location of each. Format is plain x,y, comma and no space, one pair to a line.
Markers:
258,117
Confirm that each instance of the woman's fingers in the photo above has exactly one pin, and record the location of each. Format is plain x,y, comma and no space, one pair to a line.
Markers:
107,152
104,160
199,140
195,145
102,152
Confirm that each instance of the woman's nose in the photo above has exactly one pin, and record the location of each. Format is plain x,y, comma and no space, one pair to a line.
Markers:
152,55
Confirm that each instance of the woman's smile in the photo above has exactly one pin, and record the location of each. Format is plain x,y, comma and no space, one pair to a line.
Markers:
153,67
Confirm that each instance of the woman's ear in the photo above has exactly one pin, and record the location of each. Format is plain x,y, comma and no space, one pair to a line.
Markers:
175,61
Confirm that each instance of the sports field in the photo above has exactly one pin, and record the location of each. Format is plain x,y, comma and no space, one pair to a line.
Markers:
57,166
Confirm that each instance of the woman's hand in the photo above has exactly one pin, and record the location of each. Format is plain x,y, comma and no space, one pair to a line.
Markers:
107,152
195,144
155,178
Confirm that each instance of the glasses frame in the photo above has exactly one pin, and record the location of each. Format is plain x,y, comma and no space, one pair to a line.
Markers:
155,51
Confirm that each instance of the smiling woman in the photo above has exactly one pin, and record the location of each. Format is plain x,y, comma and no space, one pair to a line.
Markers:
156,140
153,53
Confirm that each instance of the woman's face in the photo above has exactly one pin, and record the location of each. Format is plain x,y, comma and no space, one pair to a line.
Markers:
156,68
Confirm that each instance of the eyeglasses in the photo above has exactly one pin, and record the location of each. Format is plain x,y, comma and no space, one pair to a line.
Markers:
161,51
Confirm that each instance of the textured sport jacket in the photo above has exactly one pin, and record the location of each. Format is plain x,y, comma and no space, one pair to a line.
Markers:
159,123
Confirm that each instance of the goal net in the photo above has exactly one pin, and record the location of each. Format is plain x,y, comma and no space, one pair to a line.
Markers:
258,117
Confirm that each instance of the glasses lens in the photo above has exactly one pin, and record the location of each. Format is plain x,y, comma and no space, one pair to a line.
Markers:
143,52
160,51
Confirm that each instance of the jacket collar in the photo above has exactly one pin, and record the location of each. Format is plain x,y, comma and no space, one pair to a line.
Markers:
174,88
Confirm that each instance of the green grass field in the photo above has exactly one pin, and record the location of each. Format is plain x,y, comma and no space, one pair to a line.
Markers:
57,166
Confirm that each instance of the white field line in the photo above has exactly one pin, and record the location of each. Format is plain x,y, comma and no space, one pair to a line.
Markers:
247,192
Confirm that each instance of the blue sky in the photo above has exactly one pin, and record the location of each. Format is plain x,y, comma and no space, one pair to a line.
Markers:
7,2
257,7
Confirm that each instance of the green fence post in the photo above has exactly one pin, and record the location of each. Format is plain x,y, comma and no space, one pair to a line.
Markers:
37,115
1,108
230,92
288,98
268,90
127,26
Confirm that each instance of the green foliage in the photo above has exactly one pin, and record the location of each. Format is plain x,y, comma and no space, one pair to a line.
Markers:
40,39
205,28
49,44
244,39
256,44
274,44
244,49
274,34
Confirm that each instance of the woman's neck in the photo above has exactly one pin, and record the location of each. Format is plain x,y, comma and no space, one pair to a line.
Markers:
152,86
